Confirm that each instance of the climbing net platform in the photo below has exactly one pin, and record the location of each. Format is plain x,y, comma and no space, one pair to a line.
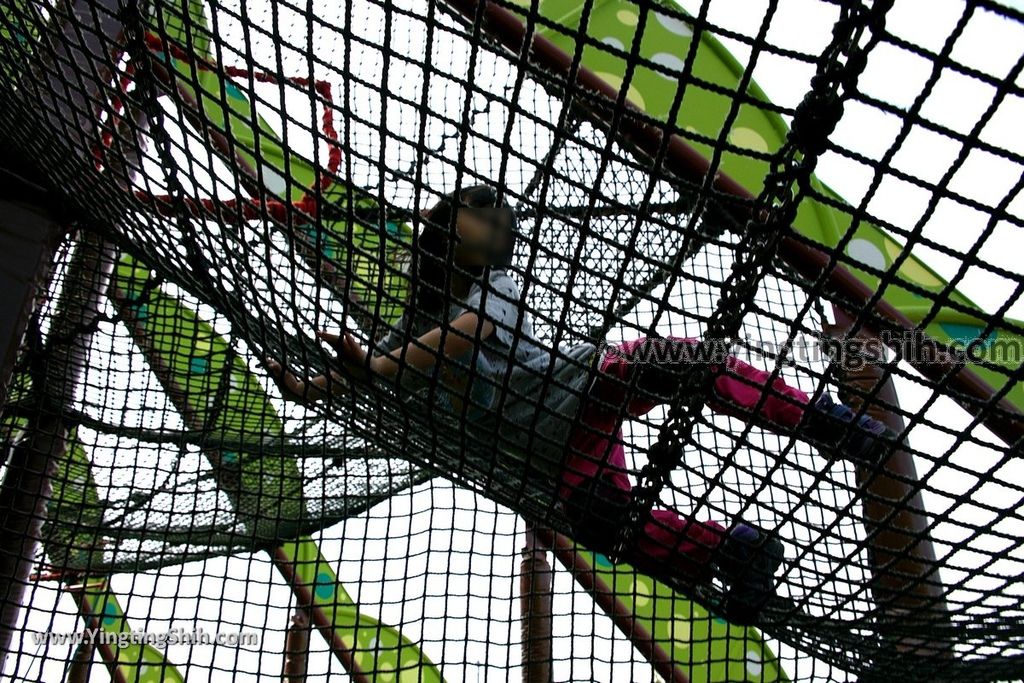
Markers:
203,184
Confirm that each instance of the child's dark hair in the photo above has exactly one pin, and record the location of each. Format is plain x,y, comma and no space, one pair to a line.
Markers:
432,257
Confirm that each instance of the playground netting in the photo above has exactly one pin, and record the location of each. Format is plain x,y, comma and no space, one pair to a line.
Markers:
233,177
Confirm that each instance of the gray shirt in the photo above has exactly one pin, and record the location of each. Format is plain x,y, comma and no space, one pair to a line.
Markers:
510,384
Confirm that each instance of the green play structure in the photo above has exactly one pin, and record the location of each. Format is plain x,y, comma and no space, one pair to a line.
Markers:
355,240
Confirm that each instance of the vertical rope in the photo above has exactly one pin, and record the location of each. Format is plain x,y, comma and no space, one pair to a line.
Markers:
839,66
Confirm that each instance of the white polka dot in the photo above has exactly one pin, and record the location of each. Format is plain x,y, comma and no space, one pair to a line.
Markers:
613,42
683,609
149,674
616,82
368,657
681,632
754,664
748,138
641,591
912,269
867,253
273,180
411,675
626,17
673,25
671,62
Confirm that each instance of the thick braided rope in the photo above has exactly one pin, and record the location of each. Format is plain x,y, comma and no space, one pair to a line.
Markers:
839,67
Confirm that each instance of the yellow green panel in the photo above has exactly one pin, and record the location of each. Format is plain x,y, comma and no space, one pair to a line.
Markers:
14,24
137,662
190,360
703,646
379,650
214,391
666,42
193,30
74,514
70,534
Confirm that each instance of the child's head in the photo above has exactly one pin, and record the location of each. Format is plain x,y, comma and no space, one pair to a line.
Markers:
484,235
484,228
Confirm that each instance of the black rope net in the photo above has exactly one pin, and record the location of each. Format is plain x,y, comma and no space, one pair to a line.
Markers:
191,253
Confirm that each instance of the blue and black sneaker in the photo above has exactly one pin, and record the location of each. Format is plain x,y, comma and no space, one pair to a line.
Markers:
832,425
747,560
597,511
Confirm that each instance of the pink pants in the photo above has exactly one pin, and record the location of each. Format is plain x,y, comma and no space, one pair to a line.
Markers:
596,451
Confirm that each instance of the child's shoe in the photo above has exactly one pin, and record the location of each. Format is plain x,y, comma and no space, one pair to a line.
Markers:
748,559
831,424
597,511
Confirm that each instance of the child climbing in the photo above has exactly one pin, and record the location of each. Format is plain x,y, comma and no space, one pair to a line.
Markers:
469,329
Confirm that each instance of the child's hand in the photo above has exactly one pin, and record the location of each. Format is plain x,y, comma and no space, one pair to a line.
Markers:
294,389
351,354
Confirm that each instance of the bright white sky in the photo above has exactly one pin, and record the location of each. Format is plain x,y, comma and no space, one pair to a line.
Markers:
443,562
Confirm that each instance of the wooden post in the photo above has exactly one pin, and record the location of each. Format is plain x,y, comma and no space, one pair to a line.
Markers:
81,662
565,552
296,647
26,487
29,235
905,574
535,584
